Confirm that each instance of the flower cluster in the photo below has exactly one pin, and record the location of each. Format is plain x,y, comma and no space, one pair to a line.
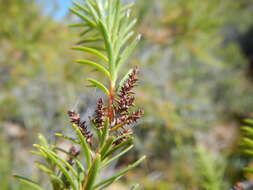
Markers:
100,114
122,114
75,119
125,101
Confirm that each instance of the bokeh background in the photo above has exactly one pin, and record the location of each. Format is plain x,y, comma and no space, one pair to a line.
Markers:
196,87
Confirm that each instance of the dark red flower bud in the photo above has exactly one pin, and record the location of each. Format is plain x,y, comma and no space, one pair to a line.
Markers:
100,114
75,119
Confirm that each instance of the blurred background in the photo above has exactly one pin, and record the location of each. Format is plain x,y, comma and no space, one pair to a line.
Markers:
196,87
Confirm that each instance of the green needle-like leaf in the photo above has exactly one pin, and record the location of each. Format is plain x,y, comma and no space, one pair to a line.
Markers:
78,25
67,138
60,166
120,174
119,146
83,17
43,141
28,182
118,155
95,66
99,85
247,130
106,146
92,51
93,172
84,144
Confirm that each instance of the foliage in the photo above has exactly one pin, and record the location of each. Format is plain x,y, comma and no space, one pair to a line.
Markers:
247,142
196,86
211,170
109,21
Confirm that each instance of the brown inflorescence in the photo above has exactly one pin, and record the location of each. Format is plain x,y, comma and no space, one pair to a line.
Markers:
75,119
100,114
126,100
123,103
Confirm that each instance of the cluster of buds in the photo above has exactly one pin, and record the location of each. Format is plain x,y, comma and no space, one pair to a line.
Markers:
122,115
75,119
126,100
99,114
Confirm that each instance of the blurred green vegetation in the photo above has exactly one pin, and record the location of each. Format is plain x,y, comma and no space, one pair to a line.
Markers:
196,87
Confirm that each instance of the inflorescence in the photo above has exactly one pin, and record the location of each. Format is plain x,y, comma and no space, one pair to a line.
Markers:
123,116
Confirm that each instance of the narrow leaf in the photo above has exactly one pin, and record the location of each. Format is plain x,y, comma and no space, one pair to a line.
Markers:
67,138
84,145
60,166
95,66
28,182
93,172
92,51
119,146
78,25
128,51
106,146
90,40
83,17
120,174
118,155
99,85
43,141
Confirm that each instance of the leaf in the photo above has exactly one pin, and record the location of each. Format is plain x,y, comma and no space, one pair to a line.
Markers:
129,27
83,17
83,8
128,51
116,21
108,45
84,145
118,155
54,179
60,166
78,25
107,145
249,152
43,141
93,172
28,182
249,121
105,133
120,174
247,142
119,146
89,40
123,135
127,6
67,138
248,130
44,168
248,170
92,10
99,85
125,39
92,51
95,65
36,153
86,31
64,162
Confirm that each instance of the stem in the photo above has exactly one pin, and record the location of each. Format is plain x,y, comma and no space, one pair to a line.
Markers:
110,102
